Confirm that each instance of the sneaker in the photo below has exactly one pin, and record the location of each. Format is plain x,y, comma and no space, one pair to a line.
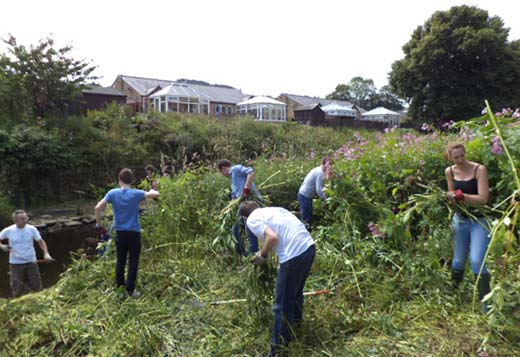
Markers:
134,294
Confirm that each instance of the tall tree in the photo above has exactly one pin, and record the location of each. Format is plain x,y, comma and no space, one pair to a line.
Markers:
363,93
358,91
455,61
385,97
41,79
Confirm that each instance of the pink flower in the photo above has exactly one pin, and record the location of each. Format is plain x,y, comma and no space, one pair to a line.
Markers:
466,134
375,230
328,174
448,125
497,148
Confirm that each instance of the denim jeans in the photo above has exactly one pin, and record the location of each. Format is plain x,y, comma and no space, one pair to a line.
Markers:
239,240
288,303
305,209
128,245
471,238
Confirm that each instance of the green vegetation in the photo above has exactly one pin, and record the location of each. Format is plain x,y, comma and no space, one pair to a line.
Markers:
455,61
390,279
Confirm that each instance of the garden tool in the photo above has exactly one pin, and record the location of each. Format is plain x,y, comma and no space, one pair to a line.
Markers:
234,301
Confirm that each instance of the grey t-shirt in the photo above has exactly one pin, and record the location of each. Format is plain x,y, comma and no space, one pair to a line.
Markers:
313,184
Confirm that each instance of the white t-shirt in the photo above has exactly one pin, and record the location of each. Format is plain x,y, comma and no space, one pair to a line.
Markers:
293,237
21,243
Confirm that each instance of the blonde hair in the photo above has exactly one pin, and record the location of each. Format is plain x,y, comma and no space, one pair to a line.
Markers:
453,146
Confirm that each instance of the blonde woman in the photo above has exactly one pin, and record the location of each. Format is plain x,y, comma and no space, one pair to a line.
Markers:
468,186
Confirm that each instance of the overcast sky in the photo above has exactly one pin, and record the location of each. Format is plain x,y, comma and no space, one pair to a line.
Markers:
262,47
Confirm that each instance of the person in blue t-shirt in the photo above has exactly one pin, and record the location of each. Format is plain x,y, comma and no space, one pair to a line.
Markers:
242,186
125,203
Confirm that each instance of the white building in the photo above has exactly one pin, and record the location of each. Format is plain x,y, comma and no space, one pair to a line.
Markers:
381,114
338,110
264,109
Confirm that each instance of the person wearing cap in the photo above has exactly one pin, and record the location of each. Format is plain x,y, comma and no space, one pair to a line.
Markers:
25,275
283,233
242,186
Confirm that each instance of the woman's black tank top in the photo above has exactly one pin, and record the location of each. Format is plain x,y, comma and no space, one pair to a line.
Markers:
467,186
470,187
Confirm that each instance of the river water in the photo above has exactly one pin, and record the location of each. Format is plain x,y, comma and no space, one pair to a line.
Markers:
62,244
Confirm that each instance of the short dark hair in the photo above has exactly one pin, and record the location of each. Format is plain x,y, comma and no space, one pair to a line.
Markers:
17,212
223,163
149,168
126,176
247,207
325,160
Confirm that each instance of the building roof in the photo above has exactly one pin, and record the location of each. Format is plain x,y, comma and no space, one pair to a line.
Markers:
307,107
180,90
215,93
305,100
261,100
93,89
380,111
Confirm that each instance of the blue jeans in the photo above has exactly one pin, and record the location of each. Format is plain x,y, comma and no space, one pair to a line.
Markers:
239,240
288,303
305,209
471,238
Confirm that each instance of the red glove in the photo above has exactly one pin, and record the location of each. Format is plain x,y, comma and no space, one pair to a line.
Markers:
459,195
102,230
246,191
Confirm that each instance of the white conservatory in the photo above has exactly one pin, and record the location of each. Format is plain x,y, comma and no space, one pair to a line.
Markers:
180,98
264,109
381,114
337,110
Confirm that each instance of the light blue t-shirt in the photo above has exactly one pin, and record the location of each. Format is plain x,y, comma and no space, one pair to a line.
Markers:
293,238
313,184
125,202
238,180
21,242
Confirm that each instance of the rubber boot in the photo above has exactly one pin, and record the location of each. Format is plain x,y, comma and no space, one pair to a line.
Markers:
484,288
456,277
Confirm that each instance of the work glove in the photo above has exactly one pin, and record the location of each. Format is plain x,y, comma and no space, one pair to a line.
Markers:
46,256
258,259
102,230
459,195
4,247
246,192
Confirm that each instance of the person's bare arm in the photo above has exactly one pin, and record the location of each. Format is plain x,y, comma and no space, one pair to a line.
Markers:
483,189
152,194
43,246
45,250
271,239
449,179
250,179
100,207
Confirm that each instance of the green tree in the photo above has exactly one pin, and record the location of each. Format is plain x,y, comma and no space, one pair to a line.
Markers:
455,61
41,79
385,97
342,92
358,91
